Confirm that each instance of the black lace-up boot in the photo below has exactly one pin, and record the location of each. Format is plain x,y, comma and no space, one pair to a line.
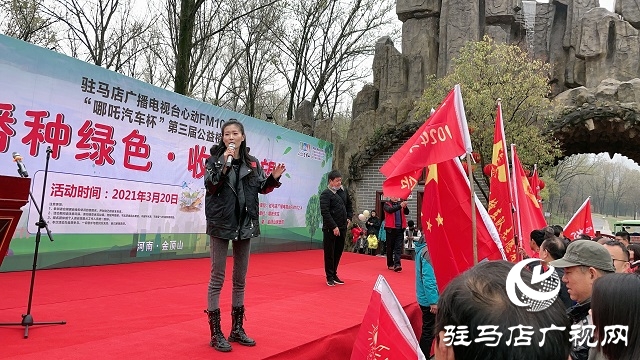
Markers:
237,331
218,340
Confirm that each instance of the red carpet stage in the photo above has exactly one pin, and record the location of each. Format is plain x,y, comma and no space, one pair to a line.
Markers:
154,310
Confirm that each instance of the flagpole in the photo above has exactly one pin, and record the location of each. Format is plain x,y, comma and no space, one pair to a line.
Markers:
510,180
515,196
473,210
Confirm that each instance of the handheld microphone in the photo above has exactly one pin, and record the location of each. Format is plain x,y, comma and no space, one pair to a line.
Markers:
232,146
22,170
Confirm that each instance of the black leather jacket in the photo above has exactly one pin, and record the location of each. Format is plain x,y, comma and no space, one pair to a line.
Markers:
579,315
231,204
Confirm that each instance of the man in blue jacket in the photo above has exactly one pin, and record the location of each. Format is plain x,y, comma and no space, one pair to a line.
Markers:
427,294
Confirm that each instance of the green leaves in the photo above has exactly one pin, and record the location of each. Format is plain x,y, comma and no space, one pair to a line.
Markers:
286,151
487,71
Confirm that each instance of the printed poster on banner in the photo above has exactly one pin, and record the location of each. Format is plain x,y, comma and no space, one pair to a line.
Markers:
126,170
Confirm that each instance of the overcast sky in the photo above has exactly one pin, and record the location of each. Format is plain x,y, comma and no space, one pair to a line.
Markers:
608,4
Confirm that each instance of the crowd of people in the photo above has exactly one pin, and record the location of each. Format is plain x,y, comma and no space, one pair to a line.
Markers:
593,317
596,302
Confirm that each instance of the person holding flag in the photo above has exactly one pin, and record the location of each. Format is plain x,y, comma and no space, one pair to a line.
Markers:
395,219
449,208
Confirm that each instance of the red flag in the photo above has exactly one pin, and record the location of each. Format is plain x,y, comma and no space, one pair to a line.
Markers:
534,181
401,186
581,222
443,136
529,215
386,332
446,223
499,207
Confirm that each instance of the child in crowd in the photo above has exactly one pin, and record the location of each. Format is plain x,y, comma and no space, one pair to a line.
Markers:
372,242
426,293
411,234
356,232
382,240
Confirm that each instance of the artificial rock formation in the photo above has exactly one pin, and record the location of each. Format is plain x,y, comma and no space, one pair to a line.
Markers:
585,44
589,49
600,119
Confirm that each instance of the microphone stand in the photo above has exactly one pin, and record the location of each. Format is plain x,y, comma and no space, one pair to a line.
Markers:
27,319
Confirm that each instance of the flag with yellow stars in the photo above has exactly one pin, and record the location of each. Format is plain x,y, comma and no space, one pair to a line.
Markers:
499,207
447,226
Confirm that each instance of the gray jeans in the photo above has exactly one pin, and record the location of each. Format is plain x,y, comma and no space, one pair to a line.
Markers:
219,248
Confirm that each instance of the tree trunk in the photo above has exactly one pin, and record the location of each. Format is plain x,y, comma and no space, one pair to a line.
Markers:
188,10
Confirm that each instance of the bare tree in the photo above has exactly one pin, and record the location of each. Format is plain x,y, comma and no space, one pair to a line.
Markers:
153,61
568,175
322,45
105,33
602,187
255,66
24,20
217,19
622,184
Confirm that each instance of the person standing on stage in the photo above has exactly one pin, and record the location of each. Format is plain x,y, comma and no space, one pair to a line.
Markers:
336,210
233,180
395,221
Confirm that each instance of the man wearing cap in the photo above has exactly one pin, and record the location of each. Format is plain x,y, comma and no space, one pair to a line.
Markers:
583,263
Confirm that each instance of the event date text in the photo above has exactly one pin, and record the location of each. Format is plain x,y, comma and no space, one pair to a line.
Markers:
154,197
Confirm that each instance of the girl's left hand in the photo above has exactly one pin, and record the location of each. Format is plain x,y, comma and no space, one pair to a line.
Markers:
278,171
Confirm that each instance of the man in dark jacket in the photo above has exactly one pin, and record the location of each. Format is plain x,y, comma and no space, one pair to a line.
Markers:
336,210
583,263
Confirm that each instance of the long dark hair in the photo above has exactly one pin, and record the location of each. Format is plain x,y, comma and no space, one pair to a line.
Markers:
615,302
218,150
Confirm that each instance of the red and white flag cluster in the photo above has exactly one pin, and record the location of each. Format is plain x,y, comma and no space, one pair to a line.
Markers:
446,207
515,209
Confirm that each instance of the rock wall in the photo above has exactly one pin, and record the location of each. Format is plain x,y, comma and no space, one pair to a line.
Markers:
583,43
